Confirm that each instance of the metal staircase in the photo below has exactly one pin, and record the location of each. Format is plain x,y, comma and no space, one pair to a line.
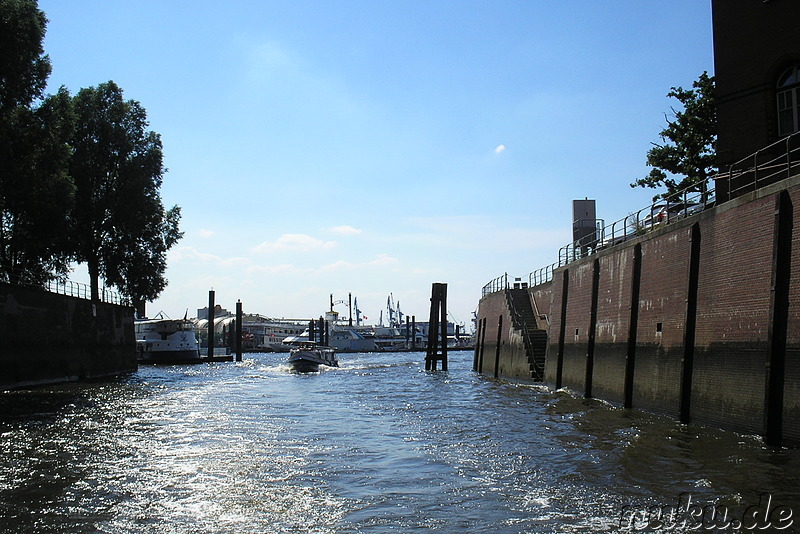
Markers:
525,321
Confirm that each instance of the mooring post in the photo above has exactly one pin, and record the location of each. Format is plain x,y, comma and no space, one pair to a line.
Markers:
413,332
211,324
350,308
633,326
589,371
312,335
780,304
408,330
433,335
483,345
238,330
477,347
690,325
562,328
443,310
437,345
498,345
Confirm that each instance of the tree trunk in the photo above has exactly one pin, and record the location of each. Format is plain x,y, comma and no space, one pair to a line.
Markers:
140,305
94,278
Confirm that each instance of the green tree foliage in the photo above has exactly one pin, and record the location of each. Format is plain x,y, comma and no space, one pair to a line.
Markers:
24,65
122,229
35,190
36,193
687,155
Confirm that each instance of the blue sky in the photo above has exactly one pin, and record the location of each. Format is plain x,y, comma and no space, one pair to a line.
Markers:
376,147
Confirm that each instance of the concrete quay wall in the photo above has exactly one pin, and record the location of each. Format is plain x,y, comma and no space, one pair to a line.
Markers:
48,338
699,320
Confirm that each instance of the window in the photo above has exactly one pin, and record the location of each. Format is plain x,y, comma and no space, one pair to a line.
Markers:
788,92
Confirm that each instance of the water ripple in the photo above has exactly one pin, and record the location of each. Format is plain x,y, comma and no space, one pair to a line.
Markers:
378,445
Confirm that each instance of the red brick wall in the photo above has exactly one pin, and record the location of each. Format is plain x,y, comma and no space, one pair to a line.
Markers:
662,315
730,353
613,325
791,402
733,316
491,307
554,329
577,323
542,297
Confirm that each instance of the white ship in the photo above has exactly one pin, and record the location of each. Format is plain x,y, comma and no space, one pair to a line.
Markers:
166,340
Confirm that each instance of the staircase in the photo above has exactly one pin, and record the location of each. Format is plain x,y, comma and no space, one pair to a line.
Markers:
524,320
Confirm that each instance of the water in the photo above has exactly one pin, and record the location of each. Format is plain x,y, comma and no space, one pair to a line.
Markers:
378,445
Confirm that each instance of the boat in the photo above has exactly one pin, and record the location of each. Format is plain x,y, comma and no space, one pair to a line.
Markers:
164,340
308,356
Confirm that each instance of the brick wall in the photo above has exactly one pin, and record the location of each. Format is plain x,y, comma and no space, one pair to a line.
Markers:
662,315
724,366
576,327
492,307
613,325
791,399
733,316
47,338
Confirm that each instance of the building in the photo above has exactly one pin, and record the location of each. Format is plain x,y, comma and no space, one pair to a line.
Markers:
757,74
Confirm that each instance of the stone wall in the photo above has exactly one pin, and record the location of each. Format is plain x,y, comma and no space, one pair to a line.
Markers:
45,337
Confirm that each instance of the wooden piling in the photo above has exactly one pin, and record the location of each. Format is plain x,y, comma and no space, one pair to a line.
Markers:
211,305
690,326
413,332
780,306
238,330
437,344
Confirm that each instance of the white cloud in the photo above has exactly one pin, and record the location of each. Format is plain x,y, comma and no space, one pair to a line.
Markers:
273,269
383,259
336,266
294,243
500,149
205,233
192,255
345,230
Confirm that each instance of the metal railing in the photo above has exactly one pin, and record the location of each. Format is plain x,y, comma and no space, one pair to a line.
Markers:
540,276
772,163
498,284
64,287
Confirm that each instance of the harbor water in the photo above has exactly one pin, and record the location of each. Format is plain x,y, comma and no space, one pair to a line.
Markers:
377,445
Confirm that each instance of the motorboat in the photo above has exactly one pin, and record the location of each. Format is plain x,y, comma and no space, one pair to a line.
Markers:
307,357
165,340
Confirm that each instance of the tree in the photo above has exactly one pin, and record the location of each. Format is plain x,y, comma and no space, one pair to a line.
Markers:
687,155
122,229
35,190
36,193
24,67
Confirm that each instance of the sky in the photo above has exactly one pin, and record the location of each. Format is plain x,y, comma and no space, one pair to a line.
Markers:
375,147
